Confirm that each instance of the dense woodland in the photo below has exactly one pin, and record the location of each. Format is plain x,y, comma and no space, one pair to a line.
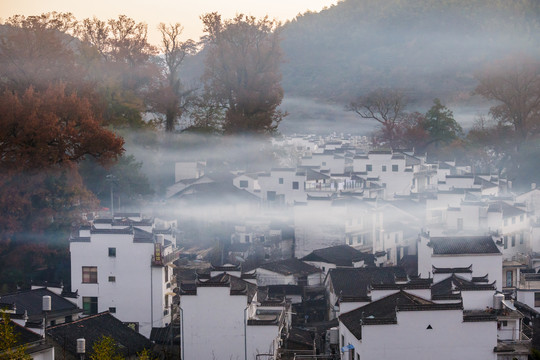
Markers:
77,96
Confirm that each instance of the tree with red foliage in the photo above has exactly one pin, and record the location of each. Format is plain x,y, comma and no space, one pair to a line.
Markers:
43,135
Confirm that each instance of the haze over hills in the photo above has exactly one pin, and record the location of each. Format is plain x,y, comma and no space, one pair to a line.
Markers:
428,48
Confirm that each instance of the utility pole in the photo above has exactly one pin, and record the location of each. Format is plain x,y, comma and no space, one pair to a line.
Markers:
112,179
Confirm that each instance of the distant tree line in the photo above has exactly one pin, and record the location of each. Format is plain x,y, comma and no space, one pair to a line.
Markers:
505,141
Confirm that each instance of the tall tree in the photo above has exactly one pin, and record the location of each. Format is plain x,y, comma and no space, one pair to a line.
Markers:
440,124
385,106
120,59
242,71
42,136
515,85
172,97
38,51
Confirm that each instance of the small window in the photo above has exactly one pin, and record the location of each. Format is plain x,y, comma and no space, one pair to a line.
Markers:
384,168
509,279
395,168
280,181
112,252
90,305
369,167
505,242
396,238
537,299
89,274
513,240
244,183
521,238
112,278
295,185
112,310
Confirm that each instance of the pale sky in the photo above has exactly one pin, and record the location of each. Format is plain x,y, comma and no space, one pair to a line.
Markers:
186,12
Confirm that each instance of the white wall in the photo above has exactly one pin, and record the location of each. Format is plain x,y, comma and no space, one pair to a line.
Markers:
138,290
450,338
477,300
213,324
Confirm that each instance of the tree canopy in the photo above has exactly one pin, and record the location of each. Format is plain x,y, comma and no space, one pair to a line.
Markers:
242,71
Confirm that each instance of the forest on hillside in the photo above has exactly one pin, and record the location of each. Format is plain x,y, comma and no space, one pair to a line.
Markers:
430,48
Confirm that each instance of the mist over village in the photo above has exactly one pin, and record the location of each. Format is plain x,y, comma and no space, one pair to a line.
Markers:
357,182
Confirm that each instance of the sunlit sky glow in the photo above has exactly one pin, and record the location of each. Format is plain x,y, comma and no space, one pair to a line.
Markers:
186,12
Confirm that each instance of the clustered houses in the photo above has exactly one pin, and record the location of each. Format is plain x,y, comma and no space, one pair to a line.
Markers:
388,254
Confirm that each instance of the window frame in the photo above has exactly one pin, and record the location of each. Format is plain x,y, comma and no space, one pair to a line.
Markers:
89,275
90,305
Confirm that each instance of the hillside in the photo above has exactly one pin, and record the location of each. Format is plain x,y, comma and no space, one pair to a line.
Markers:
428,47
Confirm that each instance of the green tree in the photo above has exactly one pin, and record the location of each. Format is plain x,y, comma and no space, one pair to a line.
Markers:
441,126
105,349
9,350
242,71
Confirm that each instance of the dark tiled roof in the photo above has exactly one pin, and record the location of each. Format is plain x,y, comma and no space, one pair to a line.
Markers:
282,290
300,336
463,245
291,266
354,282
22,334
142,236
340,255
450,287
383,311
31,301
93,328
237,286
456,270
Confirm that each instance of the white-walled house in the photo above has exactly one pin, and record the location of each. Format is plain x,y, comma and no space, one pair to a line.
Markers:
127,271
406,326
338,256
289,272
282,186
349,288
222,318
461,252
